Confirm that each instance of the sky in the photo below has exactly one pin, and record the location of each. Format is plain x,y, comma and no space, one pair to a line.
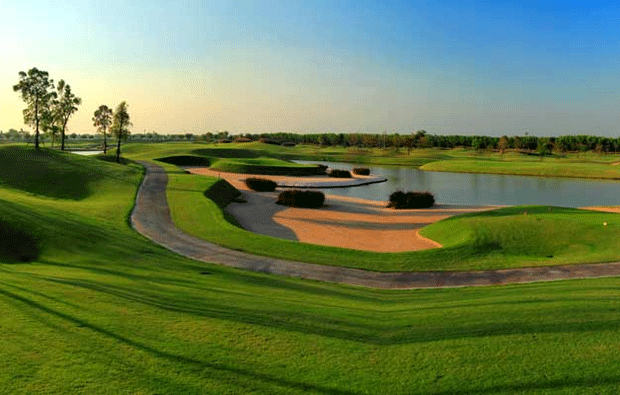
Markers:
448,67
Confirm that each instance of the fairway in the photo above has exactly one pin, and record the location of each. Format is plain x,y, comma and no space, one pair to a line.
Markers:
101,309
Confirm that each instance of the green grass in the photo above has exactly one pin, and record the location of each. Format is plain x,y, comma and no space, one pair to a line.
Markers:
582,165
103,310
516,164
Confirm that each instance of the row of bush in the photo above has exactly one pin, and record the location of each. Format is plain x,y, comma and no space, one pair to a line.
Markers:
404,200
315,199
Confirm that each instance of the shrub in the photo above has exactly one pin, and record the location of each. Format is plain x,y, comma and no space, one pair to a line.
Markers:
288,144
322,169
361,171
268,141
402,200
243,140
297,198
261,184
338,173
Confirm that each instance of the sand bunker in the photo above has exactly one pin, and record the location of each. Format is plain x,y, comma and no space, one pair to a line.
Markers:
343,222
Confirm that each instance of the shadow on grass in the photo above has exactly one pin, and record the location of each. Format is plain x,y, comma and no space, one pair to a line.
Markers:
537,385
50,173
227,152
176,358
357,327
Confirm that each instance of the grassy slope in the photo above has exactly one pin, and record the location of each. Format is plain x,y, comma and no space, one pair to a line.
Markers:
106,311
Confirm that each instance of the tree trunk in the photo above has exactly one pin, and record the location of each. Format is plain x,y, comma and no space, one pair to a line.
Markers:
118,151
105,145
36,119
62,135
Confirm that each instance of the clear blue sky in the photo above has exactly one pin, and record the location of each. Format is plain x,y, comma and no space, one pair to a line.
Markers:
315,66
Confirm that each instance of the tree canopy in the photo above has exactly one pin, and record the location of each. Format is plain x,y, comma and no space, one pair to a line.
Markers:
64,107
120,127
102,119
37,91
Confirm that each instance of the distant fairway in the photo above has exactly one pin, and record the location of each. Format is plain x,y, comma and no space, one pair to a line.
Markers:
103,310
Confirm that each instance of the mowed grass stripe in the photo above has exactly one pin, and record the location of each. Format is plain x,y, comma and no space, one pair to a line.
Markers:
125,316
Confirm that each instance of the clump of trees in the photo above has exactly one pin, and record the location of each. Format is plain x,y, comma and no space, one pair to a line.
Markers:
48,108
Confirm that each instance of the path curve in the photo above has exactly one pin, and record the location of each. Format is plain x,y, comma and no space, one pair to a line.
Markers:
151,217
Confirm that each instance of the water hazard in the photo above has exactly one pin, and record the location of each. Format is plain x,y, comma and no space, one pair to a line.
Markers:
483,189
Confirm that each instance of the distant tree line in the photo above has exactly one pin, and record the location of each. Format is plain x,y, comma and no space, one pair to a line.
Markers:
421,139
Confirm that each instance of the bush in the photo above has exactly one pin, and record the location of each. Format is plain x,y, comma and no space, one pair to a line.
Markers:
288,144
297,198
261,184
337,173
268,141
243,140
322,169
401,200
361,171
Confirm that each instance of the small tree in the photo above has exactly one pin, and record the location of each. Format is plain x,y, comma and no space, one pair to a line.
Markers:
64,107
120,127
502,144
37,90
102,119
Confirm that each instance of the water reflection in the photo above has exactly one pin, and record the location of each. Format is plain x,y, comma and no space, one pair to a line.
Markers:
484,189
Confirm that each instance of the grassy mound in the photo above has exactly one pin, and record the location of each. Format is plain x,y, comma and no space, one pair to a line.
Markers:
53,174
527,235
266,166
222,193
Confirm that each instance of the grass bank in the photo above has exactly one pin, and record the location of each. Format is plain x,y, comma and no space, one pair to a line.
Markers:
103,310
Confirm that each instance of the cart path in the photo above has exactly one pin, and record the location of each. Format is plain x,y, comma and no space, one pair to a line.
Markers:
151,217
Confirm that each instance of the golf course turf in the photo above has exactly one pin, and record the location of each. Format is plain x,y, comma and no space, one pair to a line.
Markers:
101,309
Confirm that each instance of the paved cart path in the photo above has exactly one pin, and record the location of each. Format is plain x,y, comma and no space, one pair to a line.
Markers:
151,217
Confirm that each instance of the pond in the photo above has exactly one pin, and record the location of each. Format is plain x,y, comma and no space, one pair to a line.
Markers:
483,189
86,152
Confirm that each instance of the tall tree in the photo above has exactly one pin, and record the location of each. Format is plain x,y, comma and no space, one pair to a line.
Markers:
37,90
120,127
102,120
64,107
